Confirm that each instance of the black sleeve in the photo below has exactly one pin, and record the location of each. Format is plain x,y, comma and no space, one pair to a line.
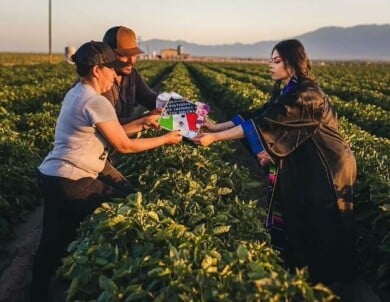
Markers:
145,96
287,123
254,113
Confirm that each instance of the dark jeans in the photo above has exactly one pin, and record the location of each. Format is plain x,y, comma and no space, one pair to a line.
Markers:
67,203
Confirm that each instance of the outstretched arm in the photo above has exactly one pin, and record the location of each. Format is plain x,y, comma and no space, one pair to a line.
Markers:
205,139
143,123
217,127
116,136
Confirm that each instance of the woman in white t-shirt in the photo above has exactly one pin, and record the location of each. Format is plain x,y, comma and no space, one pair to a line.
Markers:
69,176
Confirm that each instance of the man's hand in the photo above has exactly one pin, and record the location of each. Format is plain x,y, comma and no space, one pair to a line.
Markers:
173,137
151,121
156,111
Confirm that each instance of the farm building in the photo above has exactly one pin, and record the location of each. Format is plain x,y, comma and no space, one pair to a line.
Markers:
174,54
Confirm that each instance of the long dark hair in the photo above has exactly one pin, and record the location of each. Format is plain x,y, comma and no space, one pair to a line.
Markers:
293,55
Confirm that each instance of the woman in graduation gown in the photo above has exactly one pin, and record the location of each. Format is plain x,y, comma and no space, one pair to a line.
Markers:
297,130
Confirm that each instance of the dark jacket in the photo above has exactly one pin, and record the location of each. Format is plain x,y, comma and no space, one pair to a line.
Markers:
306,114
131,98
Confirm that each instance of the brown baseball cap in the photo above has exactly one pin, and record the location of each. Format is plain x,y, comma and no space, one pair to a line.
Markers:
97,53
122,40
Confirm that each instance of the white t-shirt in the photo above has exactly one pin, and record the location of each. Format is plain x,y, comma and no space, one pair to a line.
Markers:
79,149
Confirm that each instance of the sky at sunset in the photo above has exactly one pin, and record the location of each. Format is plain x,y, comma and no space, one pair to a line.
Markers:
24,23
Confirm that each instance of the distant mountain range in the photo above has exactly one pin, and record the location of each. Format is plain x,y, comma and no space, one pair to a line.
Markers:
362,42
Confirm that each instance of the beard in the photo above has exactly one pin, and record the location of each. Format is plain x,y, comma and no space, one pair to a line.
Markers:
124,71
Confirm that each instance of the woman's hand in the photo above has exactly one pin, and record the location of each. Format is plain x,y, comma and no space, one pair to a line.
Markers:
173,137
208,126
264,159
204,139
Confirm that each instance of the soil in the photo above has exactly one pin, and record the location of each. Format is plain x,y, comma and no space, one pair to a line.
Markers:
16,277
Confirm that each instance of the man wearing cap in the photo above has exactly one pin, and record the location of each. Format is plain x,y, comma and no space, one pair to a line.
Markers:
69,177
130,95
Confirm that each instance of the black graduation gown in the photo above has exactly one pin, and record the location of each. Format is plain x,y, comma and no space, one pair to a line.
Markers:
314,183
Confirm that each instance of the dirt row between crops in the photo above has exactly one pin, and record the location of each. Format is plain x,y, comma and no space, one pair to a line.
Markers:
16,278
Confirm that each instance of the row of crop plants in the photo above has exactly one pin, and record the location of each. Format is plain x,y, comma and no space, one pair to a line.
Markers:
370,117
12,59
372,154
190,233
29,105
153,71
366,83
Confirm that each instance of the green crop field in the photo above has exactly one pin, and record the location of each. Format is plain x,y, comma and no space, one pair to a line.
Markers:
193,231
